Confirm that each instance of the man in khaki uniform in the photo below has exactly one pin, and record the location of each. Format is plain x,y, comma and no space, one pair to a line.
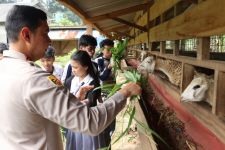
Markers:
33,103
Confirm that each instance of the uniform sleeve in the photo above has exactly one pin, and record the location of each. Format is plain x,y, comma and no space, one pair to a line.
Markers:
104,72
104,75
55,103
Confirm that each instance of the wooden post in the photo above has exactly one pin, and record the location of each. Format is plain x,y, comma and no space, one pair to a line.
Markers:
162,47
203,48
148,27
134,39
89,29
220,94
176,48
187,76
214,104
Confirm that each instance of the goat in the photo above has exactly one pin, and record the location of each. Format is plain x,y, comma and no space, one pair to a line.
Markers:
200,89
147,65
171,68
142,55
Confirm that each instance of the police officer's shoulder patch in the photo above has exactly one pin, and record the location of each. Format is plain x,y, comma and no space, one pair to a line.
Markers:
55,80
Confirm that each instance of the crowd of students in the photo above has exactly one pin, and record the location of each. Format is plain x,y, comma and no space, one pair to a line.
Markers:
83,70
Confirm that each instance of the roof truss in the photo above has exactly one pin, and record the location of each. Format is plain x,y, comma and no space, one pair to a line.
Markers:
121,12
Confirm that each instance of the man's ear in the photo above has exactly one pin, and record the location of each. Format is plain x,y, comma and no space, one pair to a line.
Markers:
25,33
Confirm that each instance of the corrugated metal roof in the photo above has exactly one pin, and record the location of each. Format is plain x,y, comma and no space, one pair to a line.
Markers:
107,14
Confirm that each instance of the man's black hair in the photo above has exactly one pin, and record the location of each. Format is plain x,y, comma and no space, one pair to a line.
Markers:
3,47
106,42
50,52
23,16
86,40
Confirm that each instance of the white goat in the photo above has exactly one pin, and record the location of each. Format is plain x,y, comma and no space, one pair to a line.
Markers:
143,55
200,89
172,69
147,65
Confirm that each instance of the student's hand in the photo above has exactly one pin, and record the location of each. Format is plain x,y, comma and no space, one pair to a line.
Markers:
130,89
109,66
81,94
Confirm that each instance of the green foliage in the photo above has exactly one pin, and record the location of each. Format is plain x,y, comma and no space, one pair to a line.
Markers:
131,112
118,52
106,88
68,16
131,76
66,22
62,60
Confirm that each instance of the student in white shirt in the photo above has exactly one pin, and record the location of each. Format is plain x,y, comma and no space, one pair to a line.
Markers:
87,43
84,75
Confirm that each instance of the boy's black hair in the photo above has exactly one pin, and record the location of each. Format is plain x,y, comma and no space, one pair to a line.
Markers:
22,16
50,52
3,47
106,42
86,40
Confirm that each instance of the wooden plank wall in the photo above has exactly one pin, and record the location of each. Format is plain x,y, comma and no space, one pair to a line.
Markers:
173,20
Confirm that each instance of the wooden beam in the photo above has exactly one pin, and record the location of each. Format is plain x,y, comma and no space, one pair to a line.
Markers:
115,28
193,1
198,21
121,12
129,23
77,10
124,34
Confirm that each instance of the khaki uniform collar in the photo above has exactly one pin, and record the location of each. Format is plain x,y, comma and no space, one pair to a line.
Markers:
14,54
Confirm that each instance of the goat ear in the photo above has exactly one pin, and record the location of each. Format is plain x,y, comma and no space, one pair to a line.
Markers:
196,74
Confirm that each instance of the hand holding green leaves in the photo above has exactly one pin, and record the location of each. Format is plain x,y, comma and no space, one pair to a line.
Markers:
130,89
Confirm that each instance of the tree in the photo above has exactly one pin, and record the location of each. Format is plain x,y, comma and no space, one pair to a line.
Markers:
69,19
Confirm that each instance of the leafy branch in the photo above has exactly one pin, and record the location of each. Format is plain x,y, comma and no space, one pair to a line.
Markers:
118,53
131,76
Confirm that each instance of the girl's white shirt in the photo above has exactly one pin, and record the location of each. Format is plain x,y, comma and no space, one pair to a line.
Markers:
76,83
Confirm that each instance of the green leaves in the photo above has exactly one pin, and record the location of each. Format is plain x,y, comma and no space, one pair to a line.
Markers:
132,113
116,88
131,76
118,52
